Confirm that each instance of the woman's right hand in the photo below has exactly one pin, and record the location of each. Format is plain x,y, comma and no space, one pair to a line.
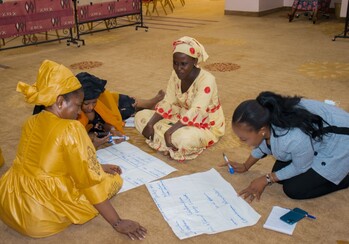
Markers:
148,131
97,142
239,168
131,228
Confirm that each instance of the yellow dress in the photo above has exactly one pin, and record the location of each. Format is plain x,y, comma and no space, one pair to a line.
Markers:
198,108
55,178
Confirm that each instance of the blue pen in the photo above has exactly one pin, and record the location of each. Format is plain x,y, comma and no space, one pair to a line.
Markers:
310,216
231,169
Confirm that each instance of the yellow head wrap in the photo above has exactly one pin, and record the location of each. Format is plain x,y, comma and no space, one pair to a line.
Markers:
190,47
53,80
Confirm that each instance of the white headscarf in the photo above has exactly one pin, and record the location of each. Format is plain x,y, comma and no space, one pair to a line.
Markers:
190,47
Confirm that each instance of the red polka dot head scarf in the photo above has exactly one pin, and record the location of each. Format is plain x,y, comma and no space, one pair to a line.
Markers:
190,47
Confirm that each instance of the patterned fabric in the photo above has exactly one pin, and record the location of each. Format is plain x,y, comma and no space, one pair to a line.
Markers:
55,178
311,5
190,47
199,109
25,17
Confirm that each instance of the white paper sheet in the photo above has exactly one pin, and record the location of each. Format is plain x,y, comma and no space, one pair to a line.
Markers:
130,122
201,203
275,223
138,167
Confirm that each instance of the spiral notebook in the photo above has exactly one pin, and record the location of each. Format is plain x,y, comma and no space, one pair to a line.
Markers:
275,223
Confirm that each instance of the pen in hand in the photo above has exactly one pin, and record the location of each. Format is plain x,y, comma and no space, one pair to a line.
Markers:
231,169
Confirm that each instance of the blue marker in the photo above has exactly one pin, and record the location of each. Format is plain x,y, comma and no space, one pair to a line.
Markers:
112,138
231,169
310,216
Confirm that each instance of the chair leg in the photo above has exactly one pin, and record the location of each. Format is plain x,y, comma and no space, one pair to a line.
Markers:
155,8
315,15
147,12
162,5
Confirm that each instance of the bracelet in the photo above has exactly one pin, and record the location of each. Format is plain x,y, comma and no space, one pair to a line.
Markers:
268,179
117,223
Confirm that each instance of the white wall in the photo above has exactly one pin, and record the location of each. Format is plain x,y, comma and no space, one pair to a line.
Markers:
344,8
270,4
262,5
242,5
288,3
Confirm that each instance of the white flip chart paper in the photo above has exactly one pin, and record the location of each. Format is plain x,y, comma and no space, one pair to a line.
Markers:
201,203
138,167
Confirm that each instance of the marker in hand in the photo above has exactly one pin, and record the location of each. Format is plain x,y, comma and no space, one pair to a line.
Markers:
112,138
231,169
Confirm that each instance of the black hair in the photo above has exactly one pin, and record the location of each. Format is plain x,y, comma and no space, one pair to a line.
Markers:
38,108
281,111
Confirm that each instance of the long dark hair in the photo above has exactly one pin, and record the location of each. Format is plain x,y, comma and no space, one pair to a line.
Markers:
281,111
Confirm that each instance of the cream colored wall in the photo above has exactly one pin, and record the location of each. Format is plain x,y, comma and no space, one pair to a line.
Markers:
262,5
245,5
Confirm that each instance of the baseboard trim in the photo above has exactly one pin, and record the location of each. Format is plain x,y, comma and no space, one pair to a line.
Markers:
254,14
262,13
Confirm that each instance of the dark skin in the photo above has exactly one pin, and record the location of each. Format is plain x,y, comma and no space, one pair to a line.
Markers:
88,108
70,109
186,70
252,138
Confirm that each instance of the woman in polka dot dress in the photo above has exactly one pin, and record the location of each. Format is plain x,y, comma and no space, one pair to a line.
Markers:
190,117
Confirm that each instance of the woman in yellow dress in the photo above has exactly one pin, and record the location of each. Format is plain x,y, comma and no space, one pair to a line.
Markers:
190,117
55,179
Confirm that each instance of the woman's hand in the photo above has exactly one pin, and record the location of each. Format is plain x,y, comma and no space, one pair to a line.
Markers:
117,133
131,228
111,169
239,168
97,142
148,131
254,190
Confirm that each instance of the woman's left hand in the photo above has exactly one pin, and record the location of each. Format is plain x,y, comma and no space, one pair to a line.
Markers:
254,190
111,169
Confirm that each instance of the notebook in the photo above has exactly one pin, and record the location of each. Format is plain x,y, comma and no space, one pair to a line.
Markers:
275,223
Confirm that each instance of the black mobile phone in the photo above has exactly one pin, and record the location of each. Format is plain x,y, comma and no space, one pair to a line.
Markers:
101,134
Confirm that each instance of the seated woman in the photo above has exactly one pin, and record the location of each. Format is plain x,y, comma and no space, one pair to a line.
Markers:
309,139
55,179
104,111
190,117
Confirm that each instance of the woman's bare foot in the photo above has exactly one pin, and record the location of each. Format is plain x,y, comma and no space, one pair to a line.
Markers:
149,103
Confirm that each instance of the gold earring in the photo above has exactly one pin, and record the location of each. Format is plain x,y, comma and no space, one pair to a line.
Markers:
59,106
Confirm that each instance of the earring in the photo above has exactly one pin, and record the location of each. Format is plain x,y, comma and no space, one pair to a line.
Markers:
59,106
263,134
